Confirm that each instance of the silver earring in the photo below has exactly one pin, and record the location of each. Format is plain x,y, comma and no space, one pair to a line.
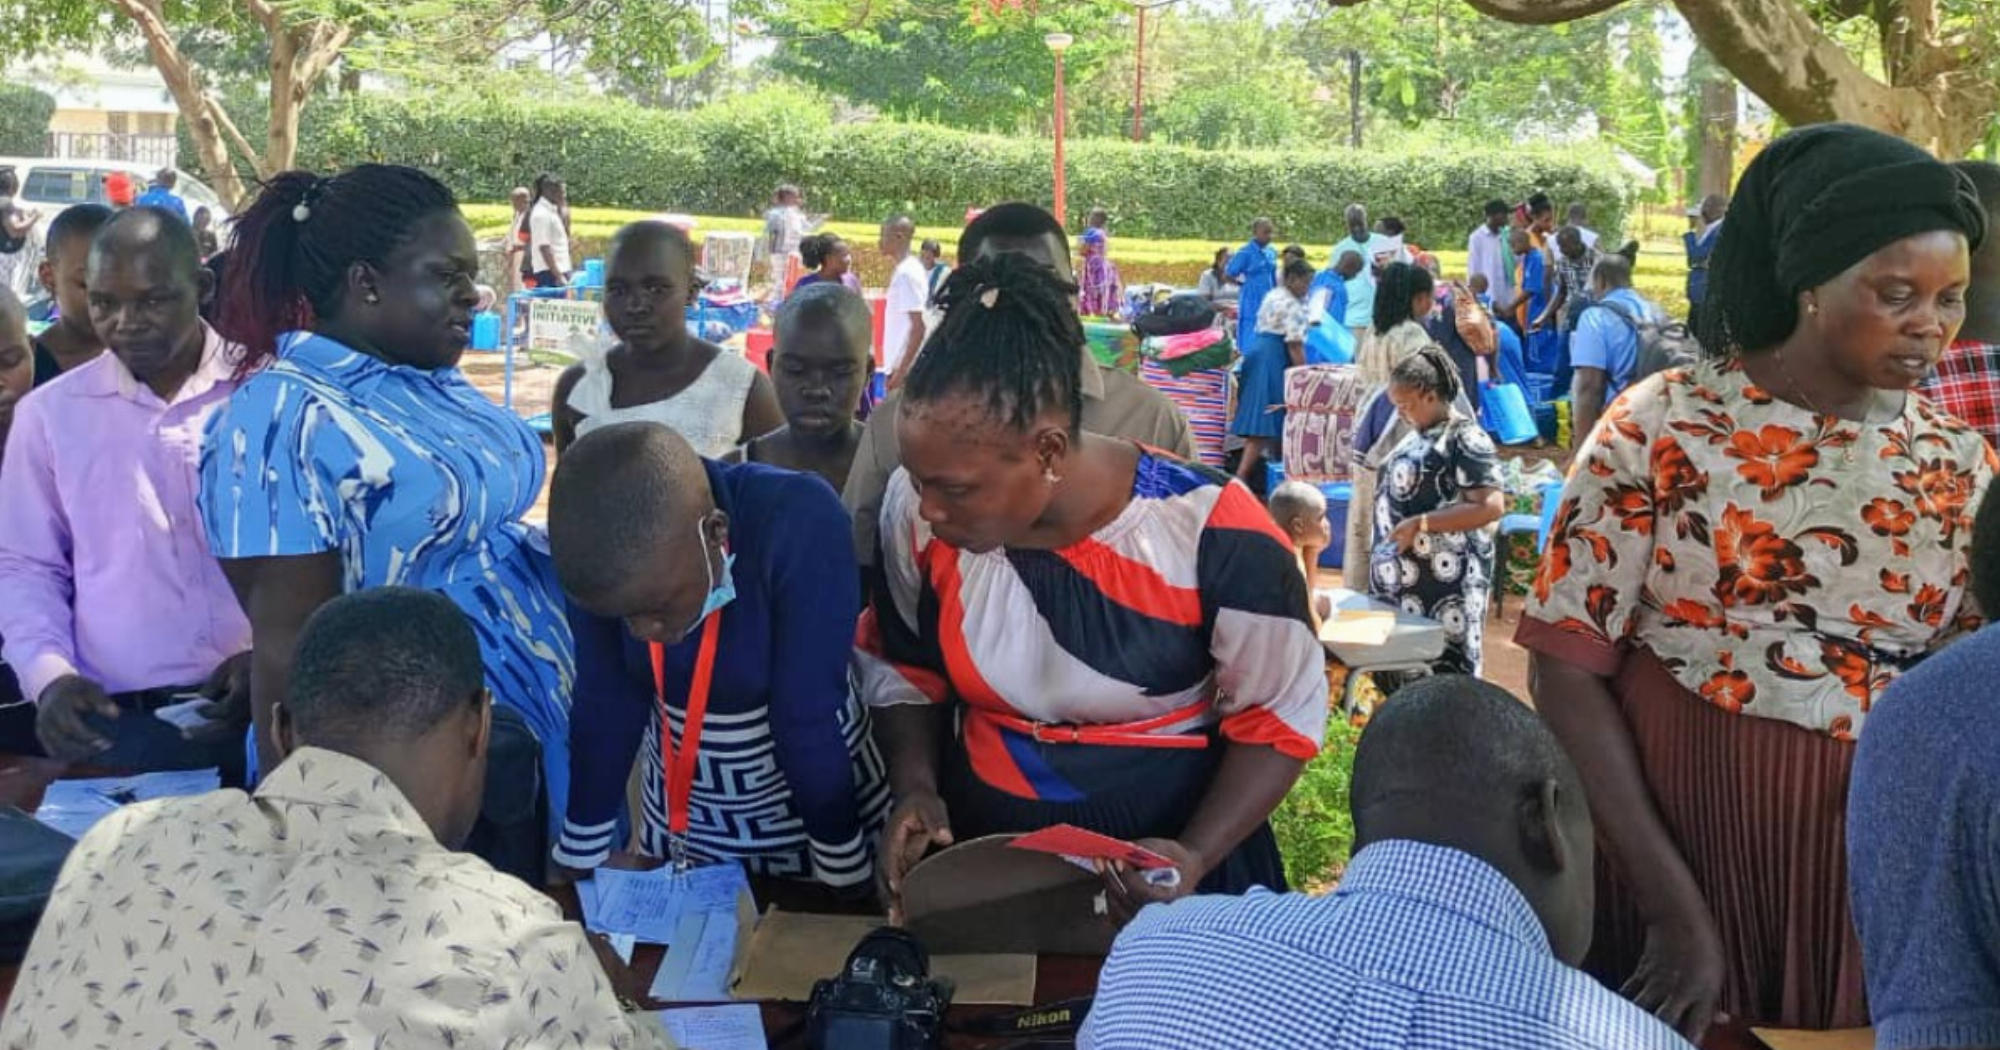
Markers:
371,299
1812,307
1050,477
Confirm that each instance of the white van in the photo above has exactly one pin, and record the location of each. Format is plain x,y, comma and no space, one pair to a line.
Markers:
50,185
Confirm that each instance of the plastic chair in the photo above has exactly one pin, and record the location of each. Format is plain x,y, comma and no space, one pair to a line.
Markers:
1537,525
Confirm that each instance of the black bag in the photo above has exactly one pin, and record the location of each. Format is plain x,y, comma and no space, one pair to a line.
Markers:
31,856
1182,313
1661,345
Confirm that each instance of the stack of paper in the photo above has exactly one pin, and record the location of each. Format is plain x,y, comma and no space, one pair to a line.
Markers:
696,914
72,806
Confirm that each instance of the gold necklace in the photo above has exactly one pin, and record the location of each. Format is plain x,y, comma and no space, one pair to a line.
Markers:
1833,421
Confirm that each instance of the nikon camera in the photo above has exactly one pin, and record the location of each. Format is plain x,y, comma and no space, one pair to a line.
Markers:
884,999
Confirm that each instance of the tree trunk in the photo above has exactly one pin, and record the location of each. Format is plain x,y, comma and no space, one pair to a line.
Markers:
1937,95
183,81
281,136
301,54
1777,50
1718,132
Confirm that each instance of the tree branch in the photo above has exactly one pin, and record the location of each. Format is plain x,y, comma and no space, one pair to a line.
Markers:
266,15
229,128
1526,12
319,54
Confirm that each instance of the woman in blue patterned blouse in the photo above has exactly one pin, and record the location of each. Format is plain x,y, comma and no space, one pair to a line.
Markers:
359,456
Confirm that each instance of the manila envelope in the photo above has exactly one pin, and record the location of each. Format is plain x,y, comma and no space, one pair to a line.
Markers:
790,951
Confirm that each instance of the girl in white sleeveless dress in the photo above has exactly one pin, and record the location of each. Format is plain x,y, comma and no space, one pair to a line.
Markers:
657,371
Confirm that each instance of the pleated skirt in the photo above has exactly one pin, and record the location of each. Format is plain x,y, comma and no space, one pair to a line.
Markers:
1758,808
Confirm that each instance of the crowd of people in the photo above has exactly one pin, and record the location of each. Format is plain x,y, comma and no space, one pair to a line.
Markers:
762,629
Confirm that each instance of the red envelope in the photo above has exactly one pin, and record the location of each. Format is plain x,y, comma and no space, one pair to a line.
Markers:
1068,840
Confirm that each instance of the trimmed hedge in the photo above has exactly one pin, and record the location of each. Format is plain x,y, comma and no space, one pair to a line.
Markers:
724,161
24,120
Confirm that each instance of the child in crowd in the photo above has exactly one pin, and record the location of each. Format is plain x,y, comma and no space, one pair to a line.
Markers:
71,340
1300,511
204,233
658,372
1099,293
1481,290
931,255
1279,343
831,259
821,360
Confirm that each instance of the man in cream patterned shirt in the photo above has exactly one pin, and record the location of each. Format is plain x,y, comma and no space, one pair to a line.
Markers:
326,910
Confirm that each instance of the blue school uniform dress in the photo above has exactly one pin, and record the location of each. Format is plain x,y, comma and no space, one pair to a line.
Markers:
1256,266
1544,348
785,779
416,479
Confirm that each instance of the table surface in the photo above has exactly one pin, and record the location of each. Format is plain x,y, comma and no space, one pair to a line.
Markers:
22,781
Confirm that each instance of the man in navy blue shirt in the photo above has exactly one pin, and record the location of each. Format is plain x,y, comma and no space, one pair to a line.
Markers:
1705,228
1604,351
1923,837
1458,923
755,752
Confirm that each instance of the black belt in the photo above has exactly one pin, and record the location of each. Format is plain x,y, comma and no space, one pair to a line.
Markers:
153,699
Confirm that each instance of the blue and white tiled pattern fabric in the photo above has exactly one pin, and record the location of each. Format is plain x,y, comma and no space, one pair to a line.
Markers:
418,480
1421,948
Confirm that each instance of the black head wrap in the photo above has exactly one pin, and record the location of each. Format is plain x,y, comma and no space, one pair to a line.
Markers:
1814,203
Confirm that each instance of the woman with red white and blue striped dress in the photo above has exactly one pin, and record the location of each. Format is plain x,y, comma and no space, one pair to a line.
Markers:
1073,628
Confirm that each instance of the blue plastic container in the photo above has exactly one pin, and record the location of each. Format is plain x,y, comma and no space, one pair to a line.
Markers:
1539,390
593,273
1338,496
1508,415
486,331
1274,476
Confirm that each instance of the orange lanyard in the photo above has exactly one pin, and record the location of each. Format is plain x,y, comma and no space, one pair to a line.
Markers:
677,769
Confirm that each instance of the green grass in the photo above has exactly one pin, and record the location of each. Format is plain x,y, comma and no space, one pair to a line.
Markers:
1660,276
1314,828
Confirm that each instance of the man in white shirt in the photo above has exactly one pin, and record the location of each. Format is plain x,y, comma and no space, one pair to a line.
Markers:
1579,217
909,292
330,908
1486,252
548,237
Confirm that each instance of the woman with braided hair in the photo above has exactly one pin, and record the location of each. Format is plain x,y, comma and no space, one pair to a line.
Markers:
1073,628
1437,497
1747,553
357,455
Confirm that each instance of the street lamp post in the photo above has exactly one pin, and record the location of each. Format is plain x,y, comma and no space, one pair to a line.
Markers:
1059,43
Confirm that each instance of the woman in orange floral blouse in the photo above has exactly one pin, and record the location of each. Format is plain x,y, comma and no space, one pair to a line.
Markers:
1746,554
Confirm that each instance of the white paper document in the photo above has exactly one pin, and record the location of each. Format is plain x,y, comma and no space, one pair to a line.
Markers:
586,899
696,969
73,806
649,904
738,1027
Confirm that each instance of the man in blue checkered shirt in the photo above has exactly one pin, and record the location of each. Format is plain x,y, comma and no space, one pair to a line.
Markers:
1456,927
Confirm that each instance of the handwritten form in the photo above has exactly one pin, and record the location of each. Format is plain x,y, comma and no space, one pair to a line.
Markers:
737,1027
694,913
